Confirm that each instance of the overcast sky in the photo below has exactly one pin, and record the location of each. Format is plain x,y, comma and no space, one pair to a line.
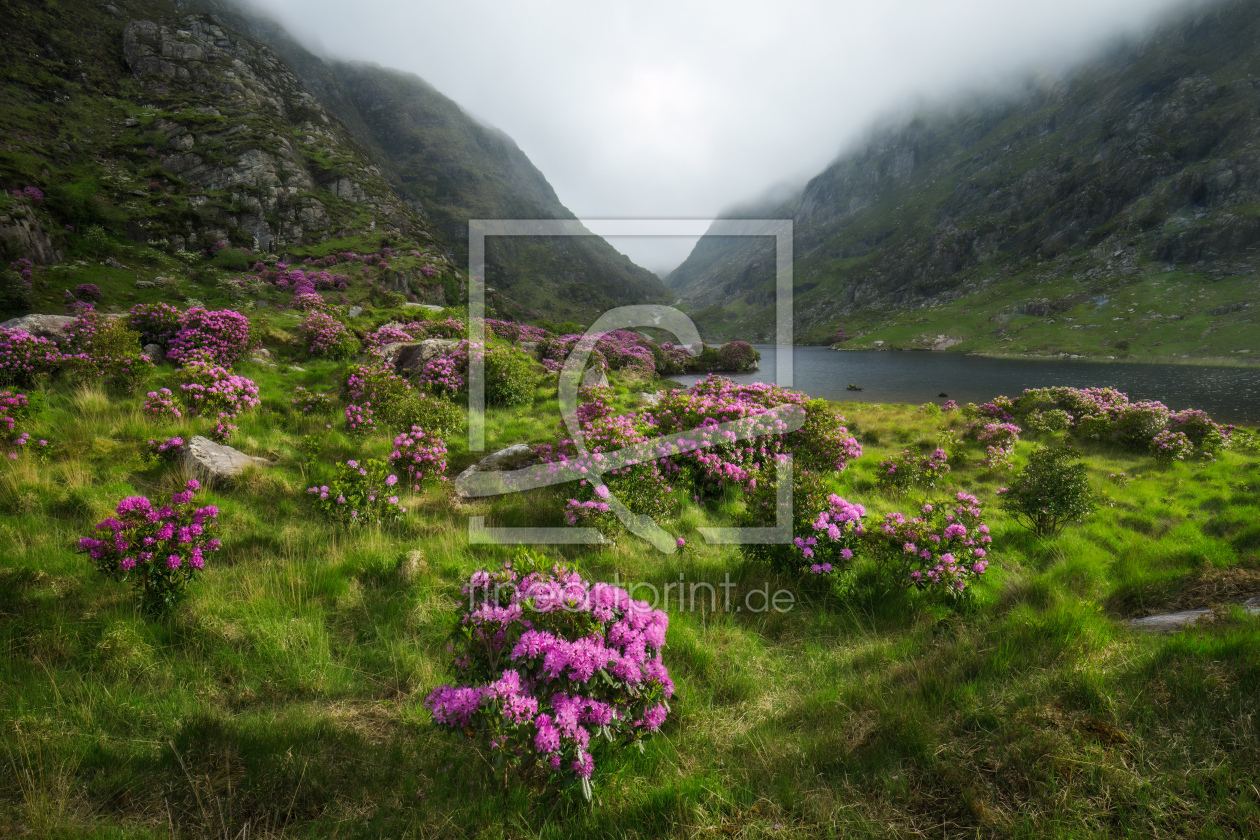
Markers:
678,108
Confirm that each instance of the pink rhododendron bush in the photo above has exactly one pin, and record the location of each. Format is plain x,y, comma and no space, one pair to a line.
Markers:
157,549
185,336
1102,414
554,673
942,547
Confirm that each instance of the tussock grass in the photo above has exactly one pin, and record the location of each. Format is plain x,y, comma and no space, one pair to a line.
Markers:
284,699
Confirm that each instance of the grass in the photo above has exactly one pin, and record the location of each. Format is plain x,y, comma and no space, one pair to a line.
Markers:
285,698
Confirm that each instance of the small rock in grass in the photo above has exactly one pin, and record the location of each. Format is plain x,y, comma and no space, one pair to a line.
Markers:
212,461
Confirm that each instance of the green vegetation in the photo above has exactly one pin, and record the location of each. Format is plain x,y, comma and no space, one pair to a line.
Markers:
286,693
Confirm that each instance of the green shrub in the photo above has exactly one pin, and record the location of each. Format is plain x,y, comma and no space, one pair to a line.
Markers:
435,415
232,259
1050,492
510,379
362,493
1048,422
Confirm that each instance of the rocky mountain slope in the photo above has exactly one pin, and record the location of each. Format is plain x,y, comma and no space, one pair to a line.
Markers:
183,125
975,228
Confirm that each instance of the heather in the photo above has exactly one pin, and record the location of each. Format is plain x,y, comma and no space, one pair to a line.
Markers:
289,684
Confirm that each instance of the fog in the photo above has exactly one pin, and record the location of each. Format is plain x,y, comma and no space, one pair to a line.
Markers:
678,109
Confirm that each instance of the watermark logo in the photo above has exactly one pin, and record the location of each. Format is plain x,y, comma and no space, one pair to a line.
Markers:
591,466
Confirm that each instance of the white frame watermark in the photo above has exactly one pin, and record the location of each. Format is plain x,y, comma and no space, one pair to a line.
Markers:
783,419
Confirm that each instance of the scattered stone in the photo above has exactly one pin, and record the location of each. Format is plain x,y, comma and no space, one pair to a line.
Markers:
214,461
153,353
595,377
650,399
944,342
112,263
408,357
146,284
42,326
514,457
1169,622
1172,622
356,311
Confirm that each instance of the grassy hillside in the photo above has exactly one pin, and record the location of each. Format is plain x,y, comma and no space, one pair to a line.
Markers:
284,699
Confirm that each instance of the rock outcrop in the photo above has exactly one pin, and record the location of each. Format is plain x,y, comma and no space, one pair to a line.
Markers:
212,461
43,326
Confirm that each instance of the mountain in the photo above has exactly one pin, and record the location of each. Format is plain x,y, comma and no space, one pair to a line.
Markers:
1026,222
183,124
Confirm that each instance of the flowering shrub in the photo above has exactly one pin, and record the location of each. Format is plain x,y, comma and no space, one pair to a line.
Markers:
25,357
166,450
209,390
160,405
1208,436
552,670
910,470
104,350
1119,479
419,456
222,431
311,402
939,549
360,494
1169,446
1050,492
949,406
377,339
1047,422
737,356
838,530
323,335
157,323
15,409
156,549
222,334
89,292
998,439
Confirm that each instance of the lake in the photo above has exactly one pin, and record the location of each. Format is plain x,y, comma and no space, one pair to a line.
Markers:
1230,395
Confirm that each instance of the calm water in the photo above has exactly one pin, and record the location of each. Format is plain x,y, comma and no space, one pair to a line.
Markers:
1231,395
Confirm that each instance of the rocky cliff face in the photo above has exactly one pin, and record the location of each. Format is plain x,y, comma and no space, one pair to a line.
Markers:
181,124
1144,162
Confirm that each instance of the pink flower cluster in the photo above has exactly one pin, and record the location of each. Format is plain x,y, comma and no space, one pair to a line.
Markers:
419,455
999,440
547,663
33,193
222,335
935,549
209,390
14,408
157,549
324,335
909,469
838,529
160,404
25,357
311,402
168,449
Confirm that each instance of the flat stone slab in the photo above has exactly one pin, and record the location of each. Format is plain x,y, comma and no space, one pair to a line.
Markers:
432,307
215,461
1169,622
1172,622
